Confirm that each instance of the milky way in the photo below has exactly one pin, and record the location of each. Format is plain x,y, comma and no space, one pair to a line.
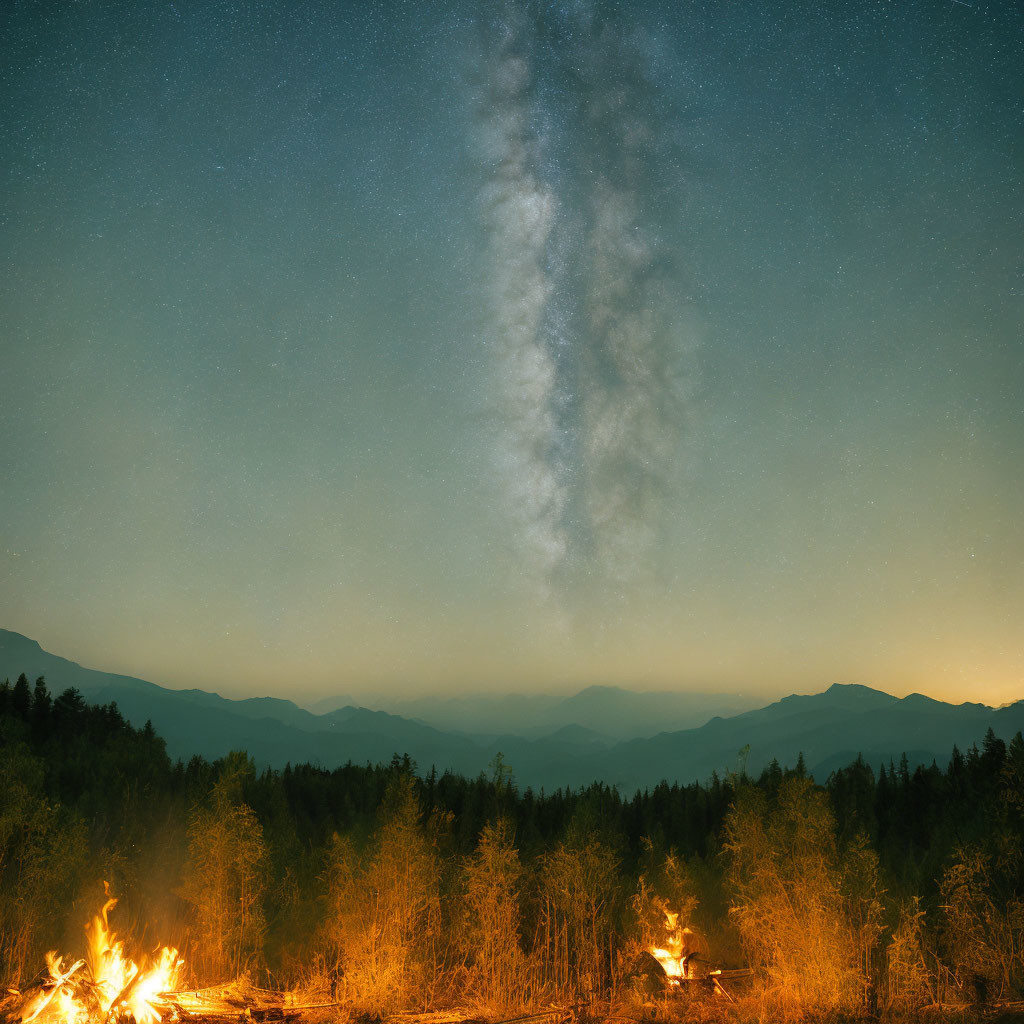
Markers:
586,324
520,209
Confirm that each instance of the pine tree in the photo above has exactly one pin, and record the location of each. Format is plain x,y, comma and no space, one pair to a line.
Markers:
21,698
41,707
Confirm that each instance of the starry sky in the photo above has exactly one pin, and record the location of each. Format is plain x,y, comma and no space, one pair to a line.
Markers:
407,347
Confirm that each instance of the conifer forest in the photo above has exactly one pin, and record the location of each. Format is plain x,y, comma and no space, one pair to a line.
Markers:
390,889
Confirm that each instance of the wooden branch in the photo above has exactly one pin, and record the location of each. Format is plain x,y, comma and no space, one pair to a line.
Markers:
57,983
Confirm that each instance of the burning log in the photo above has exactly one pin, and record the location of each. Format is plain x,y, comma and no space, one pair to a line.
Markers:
42,994
653,980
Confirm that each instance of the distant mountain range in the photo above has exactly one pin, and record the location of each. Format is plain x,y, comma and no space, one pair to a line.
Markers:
562,747
608,712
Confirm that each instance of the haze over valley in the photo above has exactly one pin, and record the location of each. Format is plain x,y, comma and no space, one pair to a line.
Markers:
606,734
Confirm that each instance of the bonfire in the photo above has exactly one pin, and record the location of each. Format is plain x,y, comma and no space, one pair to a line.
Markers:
109,987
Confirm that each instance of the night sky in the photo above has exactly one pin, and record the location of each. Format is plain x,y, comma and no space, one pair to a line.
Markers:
365,348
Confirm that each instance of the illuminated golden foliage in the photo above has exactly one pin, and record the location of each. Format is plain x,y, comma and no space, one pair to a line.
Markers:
500,976
909,984
42,854
224,880
579,889
383,927
984,933
801,922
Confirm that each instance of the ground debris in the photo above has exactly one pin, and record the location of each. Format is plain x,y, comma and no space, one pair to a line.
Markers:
453,1016
463,1016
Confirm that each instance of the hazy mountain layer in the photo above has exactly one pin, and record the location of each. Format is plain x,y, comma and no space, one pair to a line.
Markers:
608,711
829,728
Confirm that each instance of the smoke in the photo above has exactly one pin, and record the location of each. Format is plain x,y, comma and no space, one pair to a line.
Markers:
586,326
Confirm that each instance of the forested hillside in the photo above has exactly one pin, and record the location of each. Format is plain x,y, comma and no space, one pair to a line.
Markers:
892,887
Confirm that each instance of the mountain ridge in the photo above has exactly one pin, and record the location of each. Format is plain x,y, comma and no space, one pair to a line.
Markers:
826,727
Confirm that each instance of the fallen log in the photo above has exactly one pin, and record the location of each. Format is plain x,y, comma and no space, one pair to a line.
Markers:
453,1016
458,1016
555,1011
242,1000
246,1013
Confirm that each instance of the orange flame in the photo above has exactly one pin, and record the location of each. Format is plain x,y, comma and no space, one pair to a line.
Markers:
112,988
678,948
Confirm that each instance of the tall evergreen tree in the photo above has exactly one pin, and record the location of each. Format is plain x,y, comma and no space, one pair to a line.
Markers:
21,698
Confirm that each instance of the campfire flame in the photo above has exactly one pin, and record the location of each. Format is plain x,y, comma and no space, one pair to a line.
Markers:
679,947
107,985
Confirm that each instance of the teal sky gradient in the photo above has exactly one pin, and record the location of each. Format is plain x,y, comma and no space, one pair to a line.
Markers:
255,411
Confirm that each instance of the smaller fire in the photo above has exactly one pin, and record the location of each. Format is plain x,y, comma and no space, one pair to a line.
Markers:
679,948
